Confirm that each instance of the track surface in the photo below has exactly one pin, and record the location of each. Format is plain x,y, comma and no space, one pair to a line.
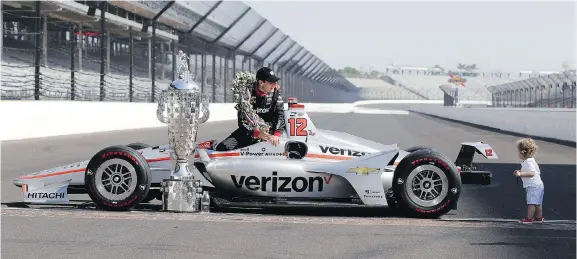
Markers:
75,233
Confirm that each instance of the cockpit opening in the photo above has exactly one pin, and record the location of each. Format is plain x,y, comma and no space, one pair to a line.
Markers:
296,149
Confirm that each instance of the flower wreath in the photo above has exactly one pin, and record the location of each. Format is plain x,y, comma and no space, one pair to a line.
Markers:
241,87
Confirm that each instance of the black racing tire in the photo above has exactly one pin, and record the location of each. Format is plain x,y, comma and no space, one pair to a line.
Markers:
134,168
138,145
434,167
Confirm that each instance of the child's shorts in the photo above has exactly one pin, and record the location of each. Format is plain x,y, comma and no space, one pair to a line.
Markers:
535,195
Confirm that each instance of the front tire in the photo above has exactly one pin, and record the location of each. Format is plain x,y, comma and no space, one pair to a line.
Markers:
426,184
117,178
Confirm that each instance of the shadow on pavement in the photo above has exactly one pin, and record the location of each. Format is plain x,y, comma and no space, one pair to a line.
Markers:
505,197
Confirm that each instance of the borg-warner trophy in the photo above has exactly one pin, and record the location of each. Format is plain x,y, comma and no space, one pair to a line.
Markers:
183,102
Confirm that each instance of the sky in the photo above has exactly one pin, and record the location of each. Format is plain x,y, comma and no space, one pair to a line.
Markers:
495,35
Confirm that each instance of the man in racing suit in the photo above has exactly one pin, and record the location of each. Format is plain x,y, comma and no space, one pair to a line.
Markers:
267,105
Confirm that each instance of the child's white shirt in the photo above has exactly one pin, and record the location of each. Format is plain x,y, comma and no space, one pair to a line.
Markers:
529,165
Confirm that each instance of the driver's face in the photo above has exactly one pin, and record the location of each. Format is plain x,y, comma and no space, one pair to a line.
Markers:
267,87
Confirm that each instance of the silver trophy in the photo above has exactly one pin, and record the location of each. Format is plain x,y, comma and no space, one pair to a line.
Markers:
183,102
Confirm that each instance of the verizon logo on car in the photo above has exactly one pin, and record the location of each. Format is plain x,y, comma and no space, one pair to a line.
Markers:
281,183
339,151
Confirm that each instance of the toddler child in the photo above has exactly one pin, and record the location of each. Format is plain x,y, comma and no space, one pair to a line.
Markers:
531,177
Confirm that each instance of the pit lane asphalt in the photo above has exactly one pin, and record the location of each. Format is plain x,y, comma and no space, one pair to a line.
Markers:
75,233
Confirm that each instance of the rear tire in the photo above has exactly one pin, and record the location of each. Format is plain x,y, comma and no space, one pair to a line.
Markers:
117,178
426,184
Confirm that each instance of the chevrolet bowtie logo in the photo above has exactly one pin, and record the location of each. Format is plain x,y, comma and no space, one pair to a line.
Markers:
363,170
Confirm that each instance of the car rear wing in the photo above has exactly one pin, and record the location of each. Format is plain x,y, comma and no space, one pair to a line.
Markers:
465,158
468,150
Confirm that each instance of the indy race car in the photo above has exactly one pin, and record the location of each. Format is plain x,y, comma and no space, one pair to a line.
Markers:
310,167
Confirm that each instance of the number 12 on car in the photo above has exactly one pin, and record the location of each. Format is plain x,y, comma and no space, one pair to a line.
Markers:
297,127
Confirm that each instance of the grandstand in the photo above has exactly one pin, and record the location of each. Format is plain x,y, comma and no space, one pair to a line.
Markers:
433,83
462,87
57,50
377,89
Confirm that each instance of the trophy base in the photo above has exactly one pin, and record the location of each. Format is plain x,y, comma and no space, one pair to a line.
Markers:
181,195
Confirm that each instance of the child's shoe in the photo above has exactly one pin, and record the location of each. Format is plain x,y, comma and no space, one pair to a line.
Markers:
538,220
526,221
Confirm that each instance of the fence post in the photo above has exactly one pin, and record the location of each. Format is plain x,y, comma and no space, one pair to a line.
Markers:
202,70
37,54
225,75
174,43
153,60
72,60
214,86
102,42
130,64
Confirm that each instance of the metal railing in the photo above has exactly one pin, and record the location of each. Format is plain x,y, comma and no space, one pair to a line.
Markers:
547,91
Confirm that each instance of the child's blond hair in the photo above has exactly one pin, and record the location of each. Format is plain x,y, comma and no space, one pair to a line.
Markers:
527,147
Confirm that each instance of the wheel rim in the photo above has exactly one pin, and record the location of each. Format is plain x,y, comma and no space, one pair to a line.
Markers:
427,185
116,179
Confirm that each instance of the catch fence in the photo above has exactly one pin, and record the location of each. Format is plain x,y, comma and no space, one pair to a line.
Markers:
69,50
546,91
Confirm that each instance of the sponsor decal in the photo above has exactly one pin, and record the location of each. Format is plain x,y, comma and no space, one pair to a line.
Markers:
296,114
116,153
262,153
248,153
205,145
40,193
373,196
262,110
339,151
88,33
281,183
45,195
363,170
458,80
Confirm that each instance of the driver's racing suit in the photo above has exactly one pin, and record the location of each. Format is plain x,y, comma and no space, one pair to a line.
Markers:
268,109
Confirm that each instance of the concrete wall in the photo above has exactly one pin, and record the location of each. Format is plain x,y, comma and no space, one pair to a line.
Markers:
33,119
547,123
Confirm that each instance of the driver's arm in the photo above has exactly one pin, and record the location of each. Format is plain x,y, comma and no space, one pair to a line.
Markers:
279,123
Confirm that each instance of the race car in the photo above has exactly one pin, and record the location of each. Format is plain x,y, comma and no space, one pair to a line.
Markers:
310,167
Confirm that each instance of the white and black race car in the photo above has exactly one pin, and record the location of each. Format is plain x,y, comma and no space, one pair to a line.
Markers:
311,167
